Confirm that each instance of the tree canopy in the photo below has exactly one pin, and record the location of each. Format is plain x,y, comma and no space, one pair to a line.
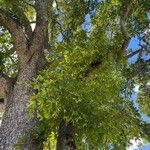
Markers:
91,70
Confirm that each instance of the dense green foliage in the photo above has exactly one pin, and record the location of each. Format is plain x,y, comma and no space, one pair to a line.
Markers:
88,84
84,87
8,58
89,81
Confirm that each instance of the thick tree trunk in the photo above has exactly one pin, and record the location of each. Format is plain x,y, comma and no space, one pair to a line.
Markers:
16,124
65,140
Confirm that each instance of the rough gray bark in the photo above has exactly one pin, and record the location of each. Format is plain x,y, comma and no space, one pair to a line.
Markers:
16,124
65,140
4,85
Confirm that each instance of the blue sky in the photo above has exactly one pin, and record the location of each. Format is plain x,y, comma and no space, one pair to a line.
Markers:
146,147
134,45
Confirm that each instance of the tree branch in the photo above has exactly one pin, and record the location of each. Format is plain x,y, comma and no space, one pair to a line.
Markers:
17,34
28,29
123,16
41,29
95,65
31,5
24,21
133,53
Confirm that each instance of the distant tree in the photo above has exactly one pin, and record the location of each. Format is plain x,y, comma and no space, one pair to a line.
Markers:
67,85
